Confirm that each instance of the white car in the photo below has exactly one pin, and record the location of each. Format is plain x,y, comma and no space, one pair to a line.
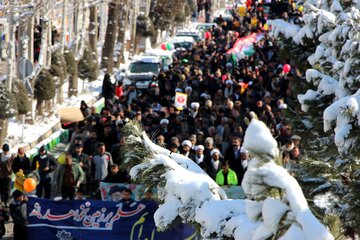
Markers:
195,34
203,27
183,42
140,71
166,56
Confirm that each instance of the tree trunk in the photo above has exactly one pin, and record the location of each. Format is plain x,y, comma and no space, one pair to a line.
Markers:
73,82
39,108
60,95
3,130
93,35
107,59
123,22
137,43
48,107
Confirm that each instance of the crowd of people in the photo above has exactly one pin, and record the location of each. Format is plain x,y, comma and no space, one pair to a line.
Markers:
223,94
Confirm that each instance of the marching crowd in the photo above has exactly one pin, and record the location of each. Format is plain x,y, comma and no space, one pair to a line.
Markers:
224,94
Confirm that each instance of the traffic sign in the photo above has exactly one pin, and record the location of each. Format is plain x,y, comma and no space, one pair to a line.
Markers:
25,67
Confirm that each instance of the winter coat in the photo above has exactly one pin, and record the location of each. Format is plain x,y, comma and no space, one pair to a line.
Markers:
77,172
5,166
101,165
40,164
2,222
18,212
231,178
21,163
86,163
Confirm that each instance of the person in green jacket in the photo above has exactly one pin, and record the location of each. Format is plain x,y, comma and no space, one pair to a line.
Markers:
69,177
226,176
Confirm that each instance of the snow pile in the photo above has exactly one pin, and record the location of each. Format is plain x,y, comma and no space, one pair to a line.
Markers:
192,196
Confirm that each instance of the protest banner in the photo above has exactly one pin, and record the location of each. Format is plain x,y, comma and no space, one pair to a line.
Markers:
180,100
94,220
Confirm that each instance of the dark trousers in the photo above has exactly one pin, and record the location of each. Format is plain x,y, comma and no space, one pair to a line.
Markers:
20,232
4,189
68,193
46,186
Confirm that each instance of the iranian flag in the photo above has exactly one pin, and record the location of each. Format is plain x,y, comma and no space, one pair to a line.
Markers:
244,46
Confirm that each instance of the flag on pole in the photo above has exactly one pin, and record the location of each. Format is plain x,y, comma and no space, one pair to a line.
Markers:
180,100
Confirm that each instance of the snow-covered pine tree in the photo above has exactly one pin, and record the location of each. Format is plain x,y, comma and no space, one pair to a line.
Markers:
333,28
275,205
87,68
58,69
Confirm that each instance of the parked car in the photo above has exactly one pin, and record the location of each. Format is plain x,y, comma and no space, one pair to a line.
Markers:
196,35
203,27
183,42
224,13
140,71
166,56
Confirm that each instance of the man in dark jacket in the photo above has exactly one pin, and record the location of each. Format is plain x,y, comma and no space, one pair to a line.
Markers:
6,160
3,218
21,162
116,175
70,176
18,214
85,163
233,155
45,164
91,144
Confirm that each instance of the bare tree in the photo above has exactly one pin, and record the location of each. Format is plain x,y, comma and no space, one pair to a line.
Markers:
123,24
107,59
78,45
93,35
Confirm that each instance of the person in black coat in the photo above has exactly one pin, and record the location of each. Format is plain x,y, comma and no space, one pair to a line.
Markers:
21,162
108,89
86,164
116,175
91,144
45,164
3,218
18,214
233,155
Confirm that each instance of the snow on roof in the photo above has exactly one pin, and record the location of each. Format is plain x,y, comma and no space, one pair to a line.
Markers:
146,59
182,39
187,31
159,52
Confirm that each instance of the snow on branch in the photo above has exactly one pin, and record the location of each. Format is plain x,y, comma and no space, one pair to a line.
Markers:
275,205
